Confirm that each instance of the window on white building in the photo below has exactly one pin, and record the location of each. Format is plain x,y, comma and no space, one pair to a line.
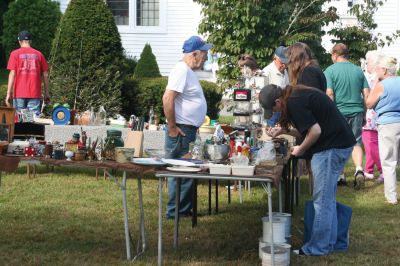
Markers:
147,12
120,11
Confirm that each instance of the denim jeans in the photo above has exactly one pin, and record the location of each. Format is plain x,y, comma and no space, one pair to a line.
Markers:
32,104
326,167
176,148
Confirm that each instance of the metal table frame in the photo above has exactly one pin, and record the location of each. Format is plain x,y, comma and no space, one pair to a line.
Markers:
265,180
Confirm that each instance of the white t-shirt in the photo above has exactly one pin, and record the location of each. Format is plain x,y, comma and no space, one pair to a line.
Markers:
275,76
190,103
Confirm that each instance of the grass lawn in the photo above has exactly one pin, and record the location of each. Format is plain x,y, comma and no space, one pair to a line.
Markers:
67,217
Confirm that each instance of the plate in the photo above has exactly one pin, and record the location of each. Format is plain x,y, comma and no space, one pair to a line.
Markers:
184,169
178,162
147,161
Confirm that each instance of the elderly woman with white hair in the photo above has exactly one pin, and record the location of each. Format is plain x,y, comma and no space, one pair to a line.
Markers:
385,99
370,129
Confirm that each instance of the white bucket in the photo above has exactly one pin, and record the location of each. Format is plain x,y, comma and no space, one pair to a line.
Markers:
278,225
288,222
281,254
262,244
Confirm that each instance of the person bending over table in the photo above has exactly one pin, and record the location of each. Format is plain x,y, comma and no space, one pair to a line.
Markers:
308,113
185,108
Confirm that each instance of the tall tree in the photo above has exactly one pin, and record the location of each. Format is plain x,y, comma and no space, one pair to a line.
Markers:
360,37
3,8
257,27
39,17
87,57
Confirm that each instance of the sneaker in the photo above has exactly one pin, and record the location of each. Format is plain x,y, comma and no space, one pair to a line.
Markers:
341,182
299,252
380,179
369,176
359,180
391,202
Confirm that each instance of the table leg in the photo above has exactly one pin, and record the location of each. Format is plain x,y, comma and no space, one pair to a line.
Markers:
177,199
240,192
194,217
216,195
127,239
292,186
229,192
160,204
0,179
142,229
209,196
269,192
280,195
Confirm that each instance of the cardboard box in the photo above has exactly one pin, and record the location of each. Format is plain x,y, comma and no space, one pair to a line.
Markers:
134,139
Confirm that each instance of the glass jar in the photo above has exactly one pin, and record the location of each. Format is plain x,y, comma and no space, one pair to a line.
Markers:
112,141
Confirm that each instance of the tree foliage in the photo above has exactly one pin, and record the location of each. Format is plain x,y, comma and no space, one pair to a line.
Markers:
88,59
39,17
257,27
3,8
360,37
147,66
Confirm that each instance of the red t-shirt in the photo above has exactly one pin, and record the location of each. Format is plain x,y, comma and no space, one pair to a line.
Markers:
29,64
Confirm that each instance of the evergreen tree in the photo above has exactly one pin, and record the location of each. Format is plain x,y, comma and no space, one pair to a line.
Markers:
39,17
3,8
87,58
147,66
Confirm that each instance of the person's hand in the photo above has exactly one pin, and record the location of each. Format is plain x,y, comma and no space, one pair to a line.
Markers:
297,151
9,100
274,131
175,131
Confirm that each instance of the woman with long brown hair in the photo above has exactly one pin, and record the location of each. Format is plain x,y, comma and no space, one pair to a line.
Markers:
303,68
327,141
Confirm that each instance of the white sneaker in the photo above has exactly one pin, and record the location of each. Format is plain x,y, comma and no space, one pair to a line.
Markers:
368,176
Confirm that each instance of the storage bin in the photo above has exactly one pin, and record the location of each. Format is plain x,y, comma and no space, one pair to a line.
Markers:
243,170
219,169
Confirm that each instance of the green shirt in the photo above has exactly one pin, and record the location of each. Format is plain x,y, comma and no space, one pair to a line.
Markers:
347,82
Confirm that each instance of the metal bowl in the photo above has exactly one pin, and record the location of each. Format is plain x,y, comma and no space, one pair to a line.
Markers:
216,153
155,153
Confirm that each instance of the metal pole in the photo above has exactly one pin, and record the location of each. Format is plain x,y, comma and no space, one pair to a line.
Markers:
271,228
177,199
126,225
160,196
142,230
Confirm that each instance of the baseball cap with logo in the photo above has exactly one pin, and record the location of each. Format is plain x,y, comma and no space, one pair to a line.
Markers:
195,43
280,52
267,98
24,36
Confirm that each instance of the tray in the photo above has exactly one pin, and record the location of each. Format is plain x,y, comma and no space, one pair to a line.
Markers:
148,161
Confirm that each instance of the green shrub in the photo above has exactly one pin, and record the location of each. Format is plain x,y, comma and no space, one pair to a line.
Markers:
88,58
139,95
147,66
39,17
129,65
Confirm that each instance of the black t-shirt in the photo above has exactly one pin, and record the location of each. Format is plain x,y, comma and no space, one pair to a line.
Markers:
307,107
313,76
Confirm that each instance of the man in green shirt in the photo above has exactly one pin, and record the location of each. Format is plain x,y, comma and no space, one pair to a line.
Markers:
348,88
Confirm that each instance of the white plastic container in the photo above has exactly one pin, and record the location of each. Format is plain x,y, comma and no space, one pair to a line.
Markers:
288,222
243,170
219,169
281,255
262,244
278,225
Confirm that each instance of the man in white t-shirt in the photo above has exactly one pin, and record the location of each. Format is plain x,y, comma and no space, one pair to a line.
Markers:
276,71
277,74
185,108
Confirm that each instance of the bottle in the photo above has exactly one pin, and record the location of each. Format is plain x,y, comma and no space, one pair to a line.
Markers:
102,115
151,116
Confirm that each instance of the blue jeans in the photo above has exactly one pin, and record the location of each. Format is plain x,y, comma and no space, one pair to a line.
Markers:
176,148
326,167
32,104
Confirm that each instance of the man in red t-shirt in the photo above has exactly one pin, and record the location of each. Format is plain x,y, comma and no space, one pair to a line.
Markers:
28,68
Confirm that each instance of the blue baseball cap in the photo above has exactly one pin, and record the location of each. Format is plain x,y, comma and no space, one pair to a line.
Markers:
195,43
24,36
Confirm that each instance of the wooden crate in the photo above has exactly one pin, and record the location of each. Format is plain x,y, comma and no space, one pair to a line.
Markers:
9,114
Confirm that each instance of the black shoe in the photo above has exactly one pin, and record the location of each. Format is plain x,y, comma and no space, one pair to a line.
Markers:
359,180
342,182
